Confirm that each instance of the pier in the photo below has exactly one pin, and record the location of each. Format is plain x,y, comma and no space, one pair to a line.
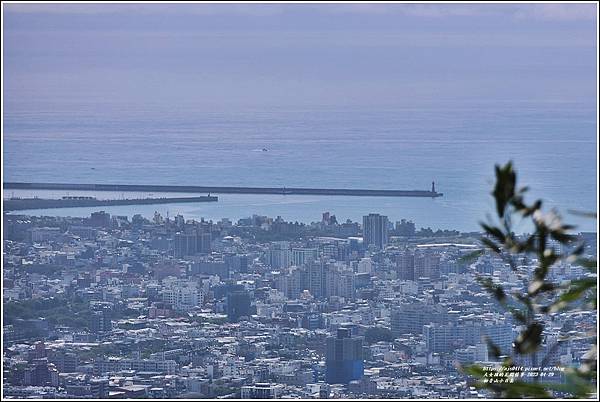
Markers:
17,204
152,188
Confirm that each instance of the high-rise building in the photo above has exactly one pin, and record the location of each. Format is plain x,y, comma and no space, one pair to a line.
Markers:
427,265
292,282
211,266
405,263
339,281
184,244
100,319
472,354
239,304
100,219
279,255
236,262
203,241
316,278
375,230
344,358
410,318
301,256
443,338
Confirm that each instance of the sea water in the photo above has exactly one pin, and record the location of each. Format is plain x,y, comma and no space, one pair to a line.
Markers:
553,146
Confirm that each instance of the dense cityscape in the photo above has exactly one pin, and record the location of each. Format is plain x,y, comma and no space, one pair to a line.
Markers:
126,307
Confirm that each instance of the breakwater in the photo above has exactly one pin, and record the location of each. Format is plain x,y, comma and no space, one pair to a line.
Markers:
17,204
222,190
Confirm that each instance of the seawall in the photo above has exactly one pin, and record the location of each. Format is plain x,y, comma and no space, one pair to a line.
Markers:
17,204
222,190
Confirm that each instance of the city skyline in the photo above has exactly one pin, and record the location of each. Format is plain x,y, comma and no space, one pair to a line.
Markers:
323,282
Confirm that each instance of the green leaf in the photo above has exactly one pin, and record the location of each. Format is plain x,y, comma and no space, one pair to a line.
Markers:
520,389
504,190
587,263
540,286
493,349
531,210
518,315
510,207
471,257
496,290
491,245
578,250
494,231
530,339
473,370
562,237
577,288
523,299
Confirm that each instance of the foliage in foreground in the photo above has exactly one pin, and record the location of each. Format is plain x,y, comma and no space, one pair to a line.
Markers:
542,297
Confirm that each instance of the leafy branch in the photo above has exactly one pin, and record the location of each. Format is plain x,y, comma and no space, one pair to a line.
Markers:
540,296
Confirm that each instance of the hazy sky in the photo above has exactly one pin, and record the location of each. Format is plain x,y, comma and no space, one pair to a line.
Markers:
296,55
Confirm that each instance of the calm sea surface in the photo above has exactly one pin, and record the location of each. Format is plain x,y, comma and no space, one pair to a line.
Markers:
553,146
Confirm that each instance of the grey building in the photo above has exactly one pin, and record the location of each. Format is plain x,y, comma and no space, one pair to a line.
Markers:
375,230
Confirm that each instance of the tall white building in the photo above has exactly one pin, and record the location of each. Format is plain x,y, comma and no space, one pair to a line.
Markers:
182,295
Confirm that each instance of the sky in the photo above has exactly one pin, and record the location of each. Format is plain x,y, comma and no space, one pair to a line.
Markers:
298,55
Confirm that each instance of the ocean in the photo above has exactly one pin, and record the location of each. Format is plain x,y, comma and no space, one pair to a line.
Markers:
553,146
